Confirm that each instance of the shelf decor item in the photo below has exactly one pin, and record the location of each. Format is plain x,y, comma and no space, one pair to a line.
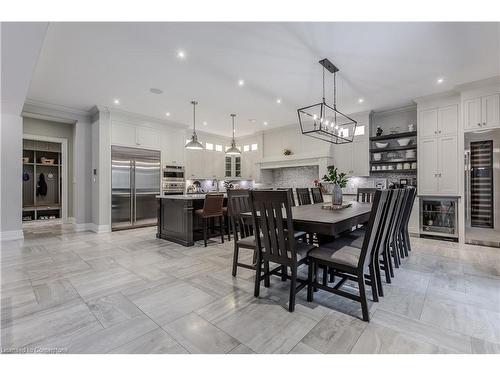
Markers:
233,150
194,144
379,131
323,121
287,152
339,181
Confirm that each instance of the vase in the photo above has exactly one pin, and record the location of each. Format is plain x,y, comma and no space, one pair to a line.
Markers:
336,195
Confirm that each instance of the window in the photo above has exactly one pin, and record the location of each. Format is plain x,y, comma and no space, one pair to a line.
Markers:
209,146
254,146
246,148
360,130
218,148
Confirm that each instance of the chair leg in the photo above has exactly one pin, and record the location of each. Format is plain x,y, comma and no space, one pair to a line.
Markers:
283,273
258,271
315,275
205,231
362,295
267,277
221,218
227,223
235,258
378,277
387,271
373,282
310,280
293,285
389,261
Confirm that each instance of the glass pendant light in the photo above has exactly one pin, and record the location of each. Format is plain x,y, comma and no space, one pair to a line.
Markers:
233,150
194,144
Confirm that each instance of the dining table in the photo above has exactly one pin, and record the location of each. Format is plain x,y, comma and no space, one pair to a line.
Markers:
325,222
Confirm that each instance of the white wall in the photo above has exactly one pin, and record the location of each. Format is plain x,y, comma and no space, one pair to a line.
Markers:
11,134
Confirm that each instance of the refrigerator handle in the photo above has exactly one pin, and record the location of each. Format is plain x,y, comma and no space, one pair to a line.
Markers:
132,191
134,195
467,187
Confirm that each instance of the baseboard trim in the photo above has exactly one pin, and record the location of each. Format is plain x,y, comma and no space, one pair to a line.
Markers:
83,227
103,228
11,235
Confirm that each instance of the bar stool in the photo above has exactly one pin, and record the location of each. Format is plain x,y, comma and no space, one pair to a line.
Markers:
212,208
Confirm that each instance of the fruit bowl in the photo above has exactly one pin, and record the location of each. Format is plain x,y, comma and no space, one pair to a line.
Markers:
404,141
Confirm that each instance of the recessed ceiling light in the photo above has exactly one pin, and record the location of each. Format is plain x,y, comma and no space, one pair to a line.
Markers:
440,80
265,123
205,123
361,100
116,101
167,114
241,82
156,91
181,54
278,101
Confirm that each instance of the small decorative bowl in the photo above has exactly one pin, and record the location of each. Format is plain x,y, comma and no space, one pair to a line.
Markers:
404,141
381,144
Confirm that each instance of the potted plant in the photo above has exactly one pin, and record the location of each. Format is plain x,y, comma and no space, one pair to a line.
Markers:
339,181
287,152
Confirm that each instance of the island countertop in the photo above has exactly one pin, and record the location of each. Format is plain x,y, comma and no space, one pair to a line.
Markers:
187,197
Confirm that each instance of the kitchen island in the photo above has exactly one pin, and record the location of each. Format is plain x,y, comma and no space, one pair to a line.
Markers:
177,221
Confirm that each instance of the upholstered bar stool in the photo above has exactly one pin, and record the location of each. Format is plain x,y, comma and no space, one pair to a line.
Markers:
212,209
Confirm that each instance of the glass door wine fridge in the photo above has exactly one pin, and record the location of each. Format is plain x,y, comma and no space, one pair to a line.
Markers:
439,218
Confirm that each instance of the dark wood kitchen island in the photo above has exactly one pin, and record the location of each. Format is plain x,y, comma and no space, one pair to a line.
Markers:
177,221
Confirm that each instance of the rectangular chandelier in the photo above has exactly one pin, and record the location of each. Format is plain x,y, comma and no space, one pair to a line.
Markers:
325,122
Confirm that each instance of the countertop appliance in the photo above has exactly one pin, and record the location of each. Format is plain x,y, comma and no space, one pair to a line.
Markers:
173,180
482,192
135,183
439,218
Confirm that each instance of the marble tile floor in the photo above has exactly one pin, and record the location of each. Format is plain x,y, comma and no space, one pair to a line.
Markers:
128,292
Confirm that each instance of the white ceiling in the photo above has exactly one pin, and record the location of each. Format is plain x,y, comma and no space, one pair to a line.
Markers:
386,64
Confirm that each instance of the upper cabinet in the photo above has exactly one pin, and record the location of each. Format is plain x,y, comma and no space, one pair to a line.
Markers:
135,136
482,112
438,150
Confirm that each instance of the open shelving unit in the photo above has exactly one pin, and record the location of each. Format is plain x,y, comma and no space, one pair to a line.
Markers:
41,157
393,157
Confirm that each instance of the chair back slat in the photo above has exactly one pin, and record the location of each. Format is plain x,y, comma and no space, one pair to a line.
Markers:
397,215
373,227
365,195
317,195
272,213
386,221
409,205
303,196
238,202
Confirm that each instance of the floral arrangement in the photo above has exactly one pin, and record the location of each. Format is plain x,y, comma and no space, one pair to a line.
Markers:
333,176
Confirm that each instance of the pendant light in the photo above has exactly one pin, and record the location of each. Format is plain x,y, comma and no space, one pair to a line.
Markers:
194,144
323,121
233,150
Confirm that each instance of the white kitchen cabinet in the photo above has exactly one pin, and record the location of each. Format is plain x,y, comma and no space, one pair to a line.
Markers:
122,134
428,123
352,158
147,138
483,112
427,166
195,164
448,165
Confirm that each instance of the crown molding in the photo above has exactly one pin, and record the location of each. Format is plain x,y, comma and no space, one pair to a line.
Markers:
36,106
437,96
137,116
491,81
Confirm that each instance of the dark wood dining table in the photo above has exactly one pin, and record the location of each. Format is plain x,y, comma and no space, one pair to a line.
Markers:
312,218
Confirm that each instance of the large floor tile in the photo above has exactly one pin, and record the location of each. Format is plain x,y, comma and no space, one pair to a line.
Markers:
200,336
154,342
113,309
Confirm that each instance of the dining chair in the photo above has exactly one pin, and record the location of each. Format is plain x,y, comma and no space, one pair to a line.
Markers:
392,243
276,242
212,209
317,195
290,192
238,202
303,196
350,263
365,194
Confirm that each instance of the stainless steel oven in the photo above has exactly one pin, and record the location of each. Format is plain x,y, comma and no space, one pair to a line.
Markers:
173,173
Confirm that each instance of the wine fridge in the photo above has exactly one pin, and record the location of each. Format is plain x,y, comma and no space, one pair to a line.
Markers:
439,218
482,183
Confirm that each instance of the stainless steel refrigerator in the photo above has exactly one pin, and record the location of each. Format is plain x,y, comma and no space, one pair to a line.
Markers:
482,187
135,183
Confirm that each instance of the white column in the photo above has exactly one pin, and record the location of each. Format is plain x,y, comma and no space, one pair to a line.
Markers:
11,186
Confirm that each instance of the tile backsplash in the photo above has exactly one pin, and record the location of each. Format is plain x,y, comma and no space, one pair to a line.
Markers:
293,177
